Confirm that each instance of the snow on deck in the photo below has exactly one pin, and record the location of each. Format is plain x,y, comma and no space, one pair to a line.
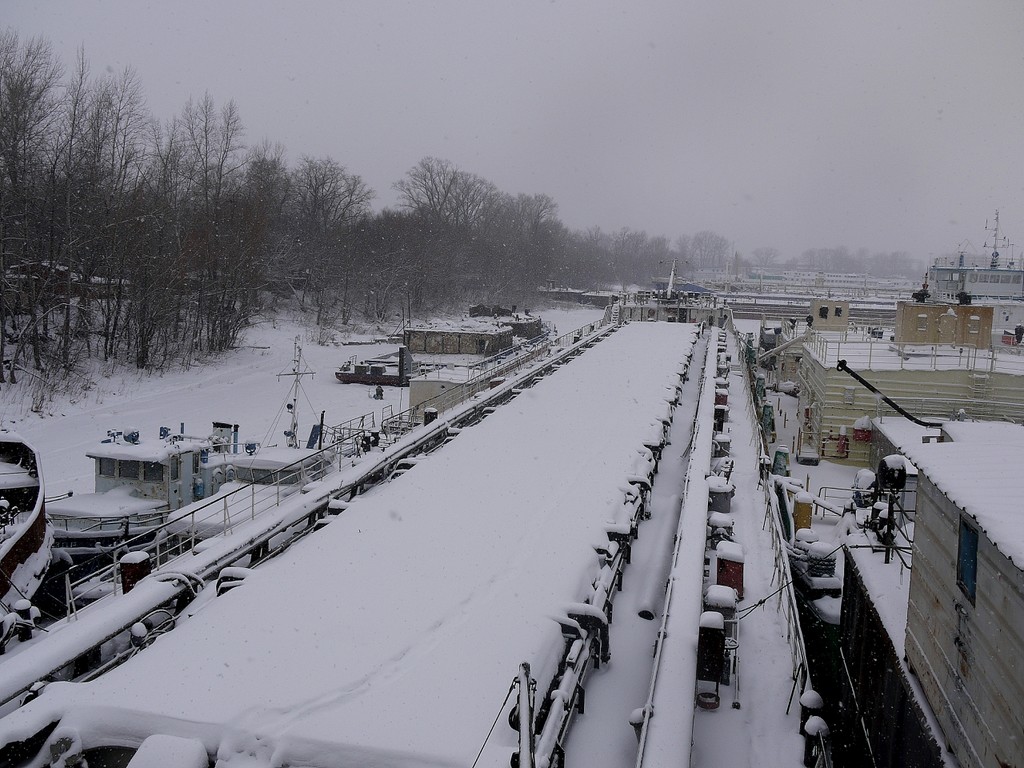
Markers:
864,353
392,636
117,502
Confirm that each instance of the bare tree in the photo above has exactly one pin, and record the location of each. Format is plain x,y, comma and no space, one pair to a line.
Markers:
455,206
765,258
439,190
326,203
627,249
710,250
214,161
29,76
267,187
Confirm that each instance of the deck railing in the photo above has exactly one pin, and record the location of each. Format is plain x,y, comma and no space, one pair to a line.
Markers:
408,419
391,426
864,352
781,574
222,513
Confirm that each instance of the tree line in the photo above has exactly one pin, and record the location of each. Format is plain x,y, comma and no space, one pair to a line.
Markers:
133,239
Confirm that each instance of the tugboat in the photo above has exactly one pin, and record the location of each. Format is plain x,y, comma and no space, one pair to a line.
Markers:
138,481
25,535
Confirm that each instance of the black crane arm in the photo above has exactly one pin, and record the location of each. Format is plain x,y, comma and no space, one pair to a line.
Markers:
842,366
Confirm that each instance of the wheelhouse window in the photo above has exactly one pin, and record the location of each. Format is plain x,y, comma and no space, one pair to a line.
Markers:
152,471
106,467
967,560
128,469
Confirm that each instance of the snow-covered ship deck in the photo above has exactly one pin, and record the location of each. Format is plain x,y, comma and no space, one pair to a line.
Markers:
392,636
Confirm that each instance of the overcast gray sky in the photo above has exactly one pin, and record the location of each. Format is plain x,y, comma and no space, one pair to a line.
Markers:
890,125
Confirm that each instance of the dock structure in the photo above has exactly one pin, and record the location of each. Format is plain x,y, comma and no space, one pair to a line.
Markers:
453,616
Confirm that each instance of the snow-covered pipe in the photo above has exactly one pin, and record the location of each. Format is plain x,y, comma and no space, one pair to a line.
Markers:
667,741
652,593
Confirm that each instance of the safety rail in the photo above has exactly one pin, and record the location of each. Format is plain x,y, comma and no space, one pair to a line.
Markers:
867,352
403,422
698,441
488,364
347,434
221,513
782,576
781,573
393,426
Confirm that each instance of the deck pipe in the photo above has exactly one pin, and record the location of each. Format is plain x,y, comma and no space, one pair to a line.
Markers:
652,593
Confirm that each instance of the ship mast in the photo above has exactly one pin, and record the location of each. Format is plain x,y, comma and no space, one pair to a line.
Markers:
298,371
994,264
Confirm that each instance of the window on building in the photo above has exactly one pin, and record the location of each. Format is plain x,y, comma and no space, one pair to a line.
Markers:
922,322
128,469
974,324
823,313
106,467
967,560
152,471
838,311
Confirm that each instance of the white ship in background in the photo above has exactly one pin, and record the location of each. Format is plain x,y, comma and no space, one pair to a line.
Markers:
985,279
